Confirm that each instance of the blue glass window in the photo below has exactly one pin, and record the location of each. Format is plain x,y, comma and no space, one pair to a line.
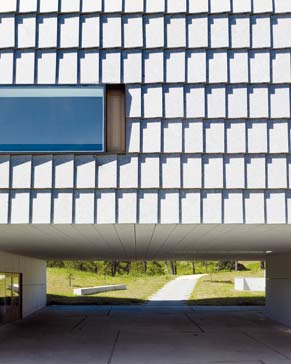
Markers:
51,119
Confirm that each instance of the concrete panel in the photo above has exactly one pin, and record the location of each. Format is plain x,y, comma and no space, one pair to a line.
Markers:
172,136
219,36
281,26
216,102
4,203
198,32
85,171
280,102
193,136
174,102
153,102
7,6
240,31
90,31
198,6
154,31
155,6
133,143
46,67
41,207
213,171
19,204
113,5
257,136
278,136
21,171
212,207
237,97
219,6
133,31
233,207
4,171
259,104
174,6
127,171
260,66
254,207
106,206
281,6
6,67
195,102
153,67
236,137
214,136
64,171
238,67
133,101
107,172
176,32
256,172
63,207
111,30
261,35
175,60
24,67
171,171
234,172
132,66
70,5
217,66
127,206
262,6
89,67
169,207
134,6
277,172
47,6
67,67
42,171
239,6
276,208
69,31
196,66
111,62
47,31
191,171
7,28
150,171
191,207
26,26
151,136
281,66
148,207
84,206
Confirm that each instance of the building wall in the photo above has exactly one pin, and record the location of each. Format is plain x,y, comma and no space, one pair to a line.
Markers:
208,108
33,276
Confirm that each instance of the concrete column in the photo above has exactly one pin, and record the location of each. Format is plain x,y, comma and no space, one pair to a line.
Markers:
34,279
278,288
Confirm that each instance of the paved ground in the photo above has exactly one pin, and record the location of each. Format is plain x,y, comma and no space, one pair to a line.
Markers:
176,291
145,335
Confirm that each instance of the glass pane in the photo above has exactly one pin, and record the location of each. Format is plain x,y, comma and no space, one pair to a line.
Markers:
52,119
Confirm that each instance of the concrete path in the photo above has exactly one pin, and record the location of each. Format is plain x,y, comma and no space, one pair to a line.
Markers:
145,335
176,292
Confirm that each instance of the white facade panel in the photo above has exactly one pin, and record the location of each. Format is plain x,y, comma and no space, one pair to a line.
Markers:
175,60
262,6
70,5
154,67
276,209
111,62
42,171
21,171
281,27
281,67
132,66
153,102
220,6
196,66
236,137
261,34
85,171
254,208
133,101
113,5
47,6
4,203
278,136
148,207
89,67
260,66
233,207
64,171
216,102
107,172
217,66
4,171
7,6
6,67
191,207
198,32
63,207
174,6
128,171
191,172
127,213
155,6
69,31
133,31
47,31
169,207
214,136
257,137
277,172
133,136
239,6
25,67
256,172
134,6
176,32
84,206
193,136
172,136
41,207
174,102
238,67
150,171
198,6
212,208
280,102
26,34
195,102
240,31
282,6
237,97
90,31
7,28
171,172
235,172
259,103
46,67
106,207
67,67
91,5
20,200
213,171
151,136
111,30
219,27
154,32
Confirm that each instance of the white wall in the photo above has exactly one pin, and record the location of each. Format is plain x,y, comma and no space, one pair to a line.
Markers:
278,288
34,279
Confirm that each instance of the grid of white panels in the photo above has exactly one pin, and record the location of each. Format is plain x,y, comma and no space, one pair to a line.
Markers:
207,102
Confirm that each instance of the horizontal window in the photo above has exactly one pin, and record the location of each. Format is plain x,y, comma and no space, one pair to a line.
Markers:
52,119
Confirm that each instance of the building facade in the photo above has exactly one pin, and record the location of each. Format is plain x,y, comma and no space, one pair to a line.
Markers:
203,167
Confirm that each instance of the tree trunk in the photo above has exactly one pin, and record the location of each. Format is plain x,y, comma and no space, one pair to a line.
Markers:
145,266
193,267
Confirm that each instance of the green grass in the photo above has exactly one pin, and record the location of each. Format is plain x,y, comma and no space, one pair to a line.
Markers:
220,290
138,288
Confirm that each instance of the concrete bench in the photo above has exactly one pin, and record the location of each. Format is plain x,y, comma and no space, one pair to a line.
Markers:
93,290
250,284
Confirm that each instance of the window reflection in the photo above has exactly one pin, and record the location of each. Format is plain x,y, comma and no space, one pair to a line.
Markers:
10,297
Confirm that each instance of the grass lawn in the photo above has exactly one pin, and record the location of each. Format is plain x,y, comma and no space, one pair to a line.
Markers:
138,288
220,290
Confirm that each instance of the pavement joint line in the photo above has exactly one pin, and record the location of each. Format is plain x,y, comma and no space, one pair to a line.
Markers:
78,324
194,322
109,361
266,345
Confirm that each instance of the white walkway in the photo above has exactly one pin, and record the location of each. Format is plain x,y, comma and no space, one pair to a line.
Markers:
176,292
